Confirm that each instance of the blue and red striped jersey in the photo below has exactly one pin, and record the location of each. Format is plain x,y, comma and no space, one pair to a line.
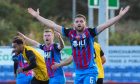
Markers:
82,47
52,55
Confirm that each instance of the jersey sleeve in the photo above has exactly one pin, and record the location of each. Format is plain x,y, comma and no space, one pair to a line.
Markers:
15,58
56,47
93,31
65,32
41,46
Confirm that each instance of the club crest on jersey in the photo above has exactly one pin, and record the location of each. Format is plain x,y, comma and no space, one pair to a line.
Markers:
83,36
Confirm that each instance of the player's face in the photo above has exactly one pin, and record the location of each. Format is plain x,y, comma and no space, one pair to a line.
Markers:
17,48
79,24
48,37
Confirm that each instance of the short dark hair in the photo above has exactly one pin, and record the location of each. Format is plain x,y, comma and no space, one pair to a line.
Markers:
18,40
80,16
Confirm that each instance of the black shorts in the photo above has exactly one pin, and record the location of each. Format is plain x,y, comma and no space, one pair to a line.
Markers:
35,81
100,81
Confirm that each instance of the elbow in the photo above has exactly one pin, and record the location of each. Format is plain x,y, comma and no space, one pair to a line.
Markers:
104,61
62,46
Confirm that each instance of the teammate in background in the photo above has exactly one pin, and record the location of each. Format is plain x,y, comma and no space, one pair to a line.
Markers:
34,59
81,38
22,77
100,60
52,54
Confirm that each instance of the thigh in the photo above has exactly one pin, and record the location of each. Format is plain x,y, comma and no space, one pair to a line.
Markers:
79,79
100,81
57,80
24,80
28,79
90,79
20,81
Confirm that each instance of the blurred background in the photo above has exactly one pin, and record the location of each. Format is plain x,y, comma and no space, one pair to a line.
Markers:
123,39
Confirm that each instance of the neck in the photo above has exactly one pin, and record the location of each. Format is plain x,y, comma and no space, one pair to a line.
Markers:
81,32
49,44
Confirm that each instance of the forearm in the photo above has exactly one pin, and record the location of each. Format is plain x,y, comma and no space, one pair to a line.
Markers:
107,24
66,62
32,59
49,23
28,40
61,42
31,66
32,42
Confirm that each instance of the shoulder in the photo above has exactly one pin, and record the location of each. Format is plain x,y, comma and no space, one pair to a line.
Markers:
28,48
55,45
91,29
96,45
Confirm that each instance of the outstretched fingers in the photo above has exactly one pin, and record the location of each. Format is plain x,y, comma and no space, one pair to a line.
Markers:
125,10
33,12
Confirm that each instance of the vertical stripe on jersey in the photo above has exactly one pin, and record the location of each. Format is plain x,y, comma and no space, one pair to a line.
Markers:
81,53
74,56
80,57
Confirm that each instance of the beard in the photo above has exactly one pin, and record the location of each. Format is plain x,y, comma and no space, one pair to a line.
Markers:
81,29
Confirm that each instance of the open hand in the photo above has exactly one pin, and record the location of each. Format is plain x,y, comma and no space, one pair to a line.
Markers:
123,11
33,12
57,34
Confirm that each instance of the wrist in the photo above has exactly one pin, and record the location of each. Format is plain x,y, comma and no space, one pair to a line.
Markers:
120,15
59,65
37,16
59,37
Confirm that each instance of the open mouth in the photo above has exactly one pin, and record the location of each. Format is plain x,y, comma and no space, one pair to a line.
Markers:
47,40
79,25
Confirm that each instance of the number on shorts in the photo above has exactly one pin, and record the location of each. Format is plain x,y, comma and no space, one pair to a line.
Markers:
91,80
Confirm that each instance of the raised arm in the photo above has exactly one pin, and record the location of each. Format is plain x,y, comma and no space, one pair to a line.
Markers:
112,21
33,42
47,22
61,42
62,63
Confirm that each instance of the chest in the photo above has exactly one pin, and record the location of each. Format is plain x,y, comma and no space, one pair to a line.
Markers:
81,40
